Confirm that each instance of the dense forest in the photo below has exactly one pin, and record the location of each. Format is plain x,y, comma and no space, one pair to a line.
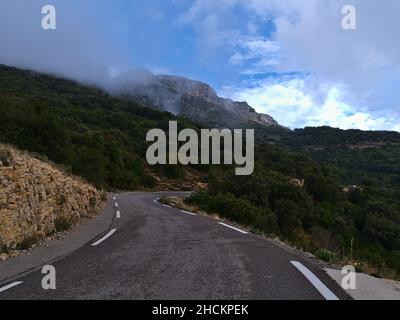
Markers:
91,134
299,190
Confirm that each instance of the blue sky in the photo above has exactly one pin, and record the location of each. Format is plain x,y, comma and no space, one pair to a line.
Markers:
287,58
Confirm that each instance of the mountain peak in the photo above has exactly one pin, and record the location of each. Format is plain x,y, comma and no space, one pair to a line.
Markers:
191,98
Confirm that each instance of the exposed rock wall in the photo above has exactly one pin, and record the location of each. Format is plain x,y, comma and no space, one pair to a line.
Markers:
171,93
37,198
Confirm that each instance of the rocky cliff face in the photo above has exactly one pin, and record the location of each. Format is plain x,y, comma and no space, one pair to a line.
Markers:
181,96
36,199
243,110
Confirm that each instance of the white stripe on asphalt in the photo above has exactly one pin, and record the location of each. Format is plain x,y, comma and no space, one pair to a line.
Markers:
155,201
323,289
165,205
118,214
109,234
11,285
233,228
187,212
116,204
114,198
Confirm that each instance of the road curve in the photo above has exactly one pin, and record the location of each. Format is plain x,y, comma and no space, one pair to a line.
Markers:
153,251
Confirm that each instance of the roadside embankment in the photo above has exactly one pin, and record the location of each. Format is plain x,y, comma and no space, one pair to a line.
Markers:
38,200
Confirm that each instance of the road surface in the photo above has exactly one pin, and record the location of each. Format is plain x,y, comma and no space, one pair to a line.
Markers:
152,251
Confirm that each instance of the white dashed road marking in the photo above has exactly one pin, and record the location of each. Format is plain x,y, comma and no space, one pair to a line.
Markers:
165,205
187,212
11,285
118,213
233,228
323,289
116,204
109,234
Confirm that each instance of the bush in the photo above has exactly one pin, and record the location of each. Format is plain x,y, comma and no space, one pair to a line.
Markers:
62,223
236,209
173,171
6,157
93,202
61,199
325,255
27,242
149,181
103,196
4,248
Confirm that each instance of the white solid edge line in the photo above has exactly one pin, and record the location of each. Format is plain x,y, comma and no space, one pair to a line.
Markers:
11,285
323,289
118,213
187,212
165,205
109,234
233,228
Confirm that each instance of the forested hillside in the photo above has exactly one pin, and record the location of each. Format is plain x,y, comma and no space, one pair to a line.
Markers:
290,195
96,136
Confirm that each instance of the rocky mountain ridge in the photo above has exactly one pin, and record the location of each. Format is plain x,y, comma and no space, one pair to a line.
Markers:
181,96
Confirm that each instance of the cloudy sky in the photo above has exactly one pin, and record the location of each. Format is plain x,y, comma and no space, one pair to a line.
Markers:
288,58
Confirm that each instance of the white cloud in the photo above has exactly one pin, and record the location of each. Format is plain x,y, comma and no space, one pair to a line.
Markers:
158,70
354,74
288,101
366,60
259,52
81,47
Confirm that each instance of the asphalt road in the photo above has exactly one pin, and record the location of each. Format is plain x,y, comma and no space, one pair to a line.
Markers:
155,252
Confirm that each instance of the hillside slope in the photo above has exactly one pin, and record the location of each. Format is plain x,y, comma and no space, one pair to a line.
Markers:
37,199
98,137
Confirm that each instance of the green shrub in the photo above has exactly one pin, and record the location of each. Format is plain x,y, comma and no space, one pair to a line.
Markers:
93,202
148,181
62,223
325,255
27,242
61,199
4,248
236,209
6,157
173,171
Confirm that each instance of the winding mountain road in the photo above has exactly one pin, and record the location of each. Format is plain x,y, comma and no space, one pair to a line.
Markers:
152,251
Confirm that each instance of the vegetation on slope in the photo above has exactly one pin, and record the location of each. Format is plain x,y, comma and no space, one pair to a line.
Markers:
96,136
348,209
102,138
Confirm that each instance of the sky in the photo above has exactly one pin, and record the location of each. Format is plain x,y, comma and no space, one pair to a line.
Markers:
288,58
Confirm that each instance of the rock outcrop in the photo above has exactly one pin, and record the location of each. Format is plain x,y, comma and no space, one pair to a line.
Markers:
185,97
37,199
